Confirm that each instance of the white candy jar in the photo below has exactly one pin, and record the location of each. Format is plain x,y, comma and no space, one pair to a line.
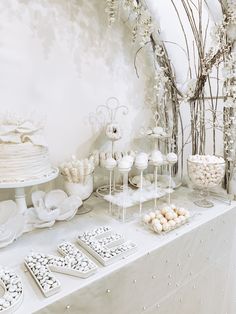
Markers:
83,189
205,172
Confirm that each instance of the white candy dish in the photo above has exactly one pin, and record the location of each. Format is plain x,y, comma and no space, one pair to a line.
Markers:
13,291
166,219
106,246
73,262
205,172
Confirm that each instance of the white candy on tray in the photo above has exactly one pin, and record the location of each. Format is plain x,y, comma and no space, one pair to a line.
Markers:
105,245
13,291
73,262
166,219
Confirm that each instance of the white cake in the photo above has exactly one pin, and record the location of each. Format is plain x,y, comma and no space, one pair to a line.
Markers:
23,153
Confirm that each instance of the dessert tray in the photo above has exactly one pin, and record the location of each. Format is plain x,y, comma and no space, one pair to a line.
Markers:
105,245
13,291
130,197
148,179
166,219
73,262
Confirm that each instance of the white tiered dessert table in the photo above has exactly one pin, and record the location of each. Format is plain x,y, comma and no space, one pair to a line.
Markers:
186,271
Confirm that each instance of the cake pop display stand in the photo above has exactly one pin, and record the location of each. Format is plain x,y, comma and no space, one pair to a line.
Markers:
20,188
125,203
110,109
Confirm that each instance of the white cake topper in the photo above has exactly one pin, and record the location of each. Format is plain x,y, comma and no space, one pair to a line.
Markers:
17,130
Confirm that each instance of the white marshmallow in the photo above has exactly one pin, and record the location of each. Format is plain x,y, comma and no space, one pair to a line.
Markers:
146,219
163,221
157,227
152,215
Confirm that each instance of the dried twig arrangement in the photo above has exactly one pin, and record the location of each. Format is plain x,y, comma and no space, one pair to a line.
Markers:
167,94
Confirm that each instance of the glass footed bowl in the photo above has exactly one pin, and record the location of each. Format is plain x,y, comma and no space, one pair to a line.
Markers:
205,175
83,189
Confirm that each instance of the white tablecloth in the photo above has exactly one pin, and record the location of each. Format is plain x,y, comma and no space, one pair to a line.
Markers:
186,271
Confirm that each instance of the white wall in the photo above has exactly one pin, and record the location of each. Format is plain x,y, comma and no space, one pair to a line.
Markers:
59,63
59,60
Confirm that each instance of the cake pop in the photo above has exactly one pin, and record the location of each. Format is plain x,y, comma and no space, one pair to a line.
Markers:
110,164
157,158
172,158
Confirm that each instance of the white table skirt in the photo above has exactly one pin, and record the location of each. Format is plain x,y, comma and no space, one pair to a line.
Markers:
186,271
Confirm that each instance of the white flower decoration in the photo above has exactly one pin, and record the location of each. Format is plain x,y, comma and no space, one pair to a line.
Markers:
113,131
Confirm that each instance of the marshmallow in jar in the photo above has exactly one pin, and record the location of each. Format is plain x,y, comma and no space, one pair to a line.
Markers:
206,170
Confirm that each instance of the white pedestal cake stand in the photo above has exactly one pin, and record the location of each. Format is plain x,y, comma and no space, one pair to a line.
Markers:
20,188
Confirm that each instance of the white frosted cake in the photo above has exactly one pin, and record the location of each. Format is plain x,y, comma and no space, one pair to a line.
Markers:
23,152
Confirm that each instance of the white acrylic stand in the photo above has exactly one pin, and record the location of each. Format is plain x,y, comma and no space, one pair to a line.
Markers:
20,188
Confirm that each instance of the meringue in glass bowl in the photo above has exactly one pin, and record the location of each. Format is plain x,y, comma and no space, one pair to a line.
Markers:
205,172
